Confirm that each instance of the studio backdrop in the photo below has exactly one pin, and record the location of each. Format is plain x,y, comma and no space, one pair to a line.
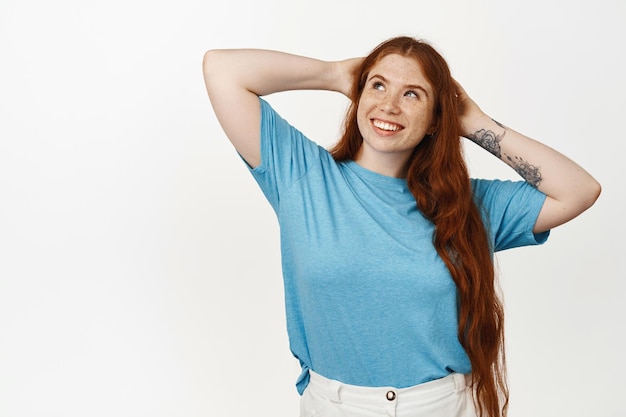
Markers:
139,262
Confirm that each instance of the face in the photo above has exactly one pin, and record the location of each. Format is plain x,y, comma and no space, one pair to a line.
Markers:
394,114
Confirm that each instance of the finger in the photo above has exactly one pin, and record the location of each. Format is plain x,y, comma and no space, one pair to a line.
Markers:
460,91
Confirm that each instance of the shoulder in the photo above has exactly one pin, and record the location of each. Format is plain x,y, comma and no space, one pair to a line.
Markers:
509,210
506,199
503,189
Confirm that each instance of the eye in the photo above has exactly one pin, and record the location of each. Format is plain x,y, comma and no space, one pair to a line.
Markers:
411,93
377,85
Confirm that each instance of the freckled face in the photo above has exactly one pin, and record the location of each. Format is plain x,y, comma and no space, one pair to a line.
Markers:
394,113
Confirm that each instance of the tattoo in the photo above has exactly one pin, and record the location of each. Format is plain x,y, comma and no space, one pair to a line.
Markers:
500,124
529,172
488,140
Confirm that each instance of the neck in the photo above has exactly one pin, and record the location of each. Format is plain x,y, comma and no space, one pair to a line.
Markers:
391,165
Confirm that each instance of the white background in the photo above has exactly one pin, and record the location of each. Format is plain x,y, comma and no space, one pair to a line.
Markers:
139,262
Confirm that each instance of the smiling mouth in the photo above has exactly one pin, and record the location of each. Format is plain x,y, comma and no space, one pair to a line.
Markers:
386,126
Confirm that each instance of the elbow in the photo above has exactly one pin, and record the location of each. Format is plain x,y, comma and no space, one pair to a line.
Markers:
215,65
209,63
595,189
589,194
556,211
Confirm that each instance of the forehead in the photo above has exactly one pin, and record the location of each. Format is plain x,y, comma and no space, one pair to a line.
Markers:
400,69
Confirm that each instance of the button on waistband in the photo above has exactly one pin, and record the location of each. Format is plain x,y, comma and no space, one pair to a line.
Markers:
391,395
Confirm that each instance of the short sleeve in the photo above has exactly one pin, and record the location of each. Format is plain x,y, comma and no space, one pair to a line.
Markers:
510,210
286,155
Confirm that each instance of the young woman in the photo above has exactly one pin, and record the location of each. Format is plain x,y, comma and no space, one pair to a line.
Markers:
387,243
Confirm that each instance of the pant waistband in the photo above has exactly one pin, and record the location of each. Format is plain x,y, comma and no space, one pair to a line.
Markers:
339,392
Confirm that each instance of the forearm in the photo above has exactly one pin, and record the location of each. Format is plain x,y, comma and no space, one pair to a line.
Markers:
569,186
264,72
541,166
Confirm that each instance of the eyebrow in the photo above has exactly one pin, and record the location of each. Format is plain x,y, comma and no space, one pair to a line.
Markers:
410,86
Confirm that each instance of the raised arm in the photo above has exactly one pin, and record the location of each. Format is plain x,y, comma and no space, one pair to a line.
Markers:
569,188
235,78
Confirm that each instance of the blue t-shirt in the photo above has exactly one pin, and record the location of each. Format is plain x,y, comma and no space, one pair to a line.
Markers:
369,301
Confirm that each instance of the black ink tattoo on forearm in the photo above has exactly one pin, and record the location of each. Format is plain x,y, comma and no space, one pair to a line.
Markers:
529,172
488,140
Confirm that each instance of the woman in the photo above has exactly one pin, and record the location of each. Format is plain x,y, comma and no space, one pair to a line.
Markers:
386,242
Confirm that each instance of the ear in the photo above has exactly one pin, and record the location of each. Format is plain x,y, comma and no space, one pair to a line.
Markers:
434,127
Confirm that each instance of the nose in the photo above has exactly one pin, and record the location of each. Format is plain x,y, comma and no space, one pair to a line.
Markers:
389,103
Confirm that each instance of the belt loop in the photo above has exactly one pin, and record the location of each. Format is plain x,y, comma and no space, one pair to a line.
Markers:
334,387
459,381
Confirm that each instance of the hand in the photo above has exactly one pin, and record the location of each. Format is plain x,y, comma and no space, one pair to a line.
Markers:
346,71
471,117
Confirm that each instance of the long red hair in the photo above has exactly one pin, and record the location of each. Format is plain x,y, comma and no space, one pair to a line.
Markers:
438,178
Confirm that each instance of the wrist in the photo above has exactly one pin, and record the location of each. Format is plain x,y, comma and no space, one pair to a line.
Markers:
477,123
487,133
345,71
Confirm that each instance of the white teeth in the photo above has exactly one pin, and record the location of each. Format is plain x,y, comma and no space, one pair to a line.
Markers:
386,126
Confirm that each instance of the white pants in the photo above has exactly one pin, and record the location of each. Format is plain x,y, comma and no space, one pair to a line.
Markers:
446,397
